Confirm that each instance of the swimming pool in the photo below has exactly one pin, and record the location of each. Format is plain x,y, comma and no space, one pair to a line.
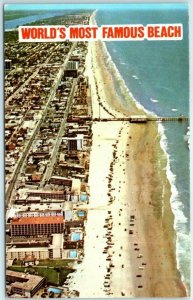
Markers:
83,197
81,213
73,254
76,236
55,290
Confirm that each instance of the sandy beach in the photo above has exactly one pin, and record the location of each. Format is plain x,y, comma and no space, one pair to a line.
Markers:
130,241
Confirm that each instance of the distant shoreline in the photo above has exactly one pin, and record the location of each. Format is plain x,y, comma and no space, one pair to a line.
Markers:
31,18
17,14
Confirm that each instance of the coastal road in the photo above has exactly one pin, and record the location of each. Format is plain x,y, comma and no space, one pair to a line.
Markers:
22,159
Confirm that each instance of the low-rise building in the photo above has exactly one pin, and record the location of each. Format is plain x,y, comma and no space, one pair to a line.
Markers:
47,194
20,253
24,284
29,260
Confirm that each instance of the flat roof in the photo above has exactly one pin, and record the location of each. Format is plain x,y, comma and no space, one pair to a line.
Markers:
28,249
29,281
21,239
38,220
40,211
43,206
60,177
57,241
45,192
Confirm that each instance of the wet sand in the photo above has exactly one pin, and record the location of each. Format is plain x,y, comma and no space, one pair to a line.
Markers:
143,192
130,241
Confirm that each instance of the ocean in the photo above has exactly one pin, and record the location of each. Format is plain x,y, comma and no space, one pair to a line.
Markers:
157,75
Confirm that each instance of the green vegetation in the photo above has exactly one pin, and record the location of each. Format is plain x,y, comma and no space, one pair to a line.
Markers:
59,20
10,36
17,14
63,275
17,269
54,275
50,274
55,263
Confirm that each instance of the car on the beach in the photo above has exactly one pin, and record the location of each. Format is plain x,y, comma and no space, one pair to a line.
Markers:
139,255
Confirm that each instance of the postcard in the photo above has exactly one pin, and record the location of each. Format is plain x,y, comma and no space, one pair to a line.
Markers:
97,150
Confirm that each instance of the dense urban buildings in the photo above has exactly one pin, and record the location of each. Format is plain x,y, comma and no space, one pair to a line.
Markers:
47,159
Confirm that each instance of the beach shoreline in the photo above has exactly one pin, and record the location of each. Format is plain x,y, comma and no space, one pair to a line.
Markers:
134,232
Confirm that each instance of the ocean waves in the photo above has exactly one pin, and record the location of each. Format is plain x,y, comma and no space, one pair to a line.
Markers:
121,87
180,220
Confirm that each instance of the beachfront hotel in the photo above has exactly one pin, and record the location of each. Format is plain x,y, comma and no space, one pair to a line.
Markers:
28,226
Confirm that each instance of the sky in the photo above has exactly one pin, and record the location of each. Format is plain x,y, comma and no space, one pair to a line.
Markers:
56,6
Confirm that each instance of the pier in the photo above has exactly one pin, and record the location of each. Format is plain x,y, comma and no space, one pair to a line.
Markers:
143,119
163,119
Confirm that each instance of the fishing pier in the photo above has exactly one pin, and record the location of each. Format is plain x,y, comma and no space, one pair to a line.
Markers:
143,119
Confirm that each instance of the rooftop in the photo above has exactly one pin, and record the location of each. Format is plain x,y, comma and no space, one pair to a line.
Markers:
45,192
29,282
29,249
61,177
39,211
38,220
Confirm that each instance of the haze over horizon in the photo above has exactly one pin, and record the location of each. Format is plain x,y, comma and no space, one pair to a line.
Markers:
113,6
